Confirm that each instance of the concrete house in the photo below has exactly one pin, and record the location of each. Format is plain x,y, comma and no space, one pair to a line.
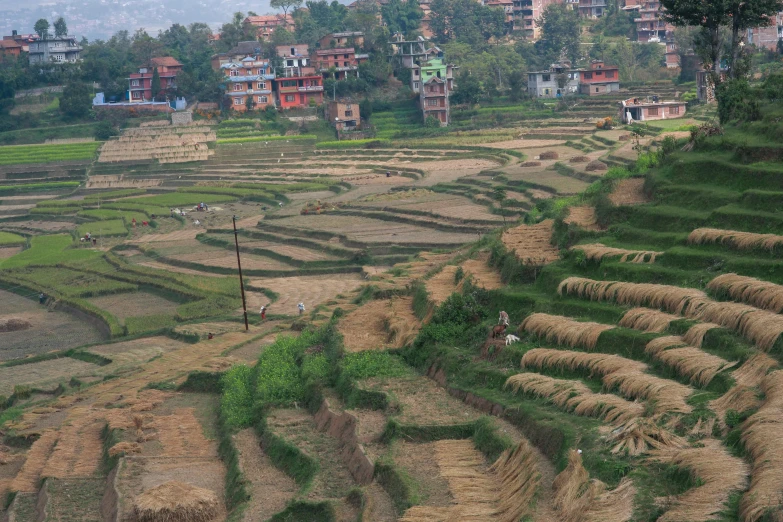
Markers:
558,81
140,83
343,115
526,12
650,109
592,8
347,39
294,56
432,68
249,77
345,61
266,24
599,79
434,99
63,49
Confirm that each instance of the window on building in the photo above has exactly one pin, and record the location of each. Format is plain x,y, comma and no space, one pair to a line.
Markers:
652,111
293,51
599,73
674,110
261,86
290,63
237,101
415,85
134,83
136,95
290,97
546,77
547,91
239,87
596,89
262,99
348,114
432,103
345,56
609,74
234,72
588,76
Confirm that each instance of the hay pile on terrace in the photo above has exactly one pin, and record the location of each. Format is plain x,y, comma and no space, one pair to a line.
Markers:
739,398
761,327
582,216
581,499
647,320
548,155
124,448
628,191
597,363
734,239
761,436
532,244
762,294
695,334
176,502
639,436
670,298
596,166
562,330
530,164
13,325
753,371
579,159
518,478
698,366
720,474
597,251
575,396
429,514
667,395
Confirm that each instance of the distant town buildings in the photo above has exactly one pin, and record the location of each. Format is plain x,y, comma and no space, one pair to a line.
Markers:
248,81
266,24
592,8
347,39
343,114
526,12
650,109
562,79
53,49
140,83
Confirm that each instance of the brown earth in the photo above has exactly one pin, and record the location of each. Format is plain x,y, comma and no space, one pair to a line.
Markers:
629,192
582,216
441,285
483,275
310,290
134,304
42,374
531,243
379,324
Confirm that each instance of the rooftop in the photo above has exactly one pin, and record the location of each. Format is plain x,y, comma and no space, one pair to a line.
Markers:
339,50
165,61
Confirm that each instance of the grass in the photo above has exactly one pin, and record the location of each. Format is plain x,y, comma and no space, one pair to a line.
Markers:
22,154
49,250
256,139
10,190
111,227
9,239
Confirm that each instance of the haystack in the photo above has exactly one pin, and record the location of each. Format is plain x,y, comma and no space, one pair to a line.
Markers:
530,164
549,155
579,159
596,166
176,502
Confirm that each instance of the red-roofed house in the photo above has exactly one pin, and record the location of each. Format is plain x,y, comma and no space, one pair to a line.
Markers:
599,79
10,47
267,24
140,84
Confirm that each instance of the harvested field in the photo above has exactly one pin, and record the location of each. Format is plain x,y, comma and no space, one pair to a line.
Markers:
223,258
422,401
376,230
532,243
178,235
734,239
754,370
449,170
6,252
171,268
181,435
379,324
270,489
45,226
579,498
647,320
523,144
698,366
446,205
719,473
441,285
135,304
761,436
298,253
695,334
27,479
49,331
79,448
596,363
310,290
482,274
582,216
628,192
136,352
418,461
43,374
563,185
597,251
562,330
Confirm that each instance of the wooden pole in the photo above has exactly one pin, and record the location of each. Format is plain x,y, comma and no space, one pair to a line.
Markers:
239,265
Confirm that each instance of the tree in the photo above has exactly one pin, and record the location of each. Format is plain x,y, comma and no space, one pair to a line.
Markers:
60,28
737,101
155,84
144,47
560,27
517,85
42,28
365,109
75,100
745,14
285,5
469,90
250,104
466,21
402,16
104,130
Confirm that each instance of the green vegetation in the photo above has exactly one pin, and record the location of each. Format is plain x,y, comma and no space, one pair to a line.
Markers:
48,250
20,154
9,239
111,227
252,139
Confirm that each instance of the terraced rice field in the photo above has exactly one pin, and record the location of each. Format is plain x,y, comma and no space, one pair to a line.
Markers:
310,290
135,304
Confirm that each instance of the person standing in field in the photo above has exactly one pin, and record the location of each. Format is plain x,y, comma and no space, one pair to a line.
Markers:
263,313
41,298
503,319
301,308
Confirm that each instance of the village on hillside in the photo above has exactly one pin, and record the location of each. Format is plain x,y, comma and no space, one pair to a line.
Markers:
394,261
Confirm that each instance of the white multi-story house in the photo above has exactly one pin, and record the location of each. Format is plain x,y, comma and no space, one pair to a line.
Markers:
55,49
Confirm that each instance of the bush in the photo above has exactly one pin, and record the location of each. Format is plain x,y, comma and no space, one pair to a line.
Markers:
236,403
278,380
737,101
104,130
773,87
364,365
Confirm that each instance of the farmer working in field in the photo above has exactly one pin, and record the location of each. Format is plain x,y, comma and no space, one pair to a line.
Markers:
301,308
41,298
263,313
503,319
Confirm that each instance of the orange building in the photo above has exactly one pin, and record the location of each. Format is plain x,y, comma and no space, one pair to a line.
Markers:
140,83
300,88
250,77
267,24
9,47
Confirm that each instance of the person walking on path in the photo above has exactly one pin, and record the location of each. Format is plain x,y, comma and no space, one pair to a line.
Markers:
41,298
301,308
263,313
503,319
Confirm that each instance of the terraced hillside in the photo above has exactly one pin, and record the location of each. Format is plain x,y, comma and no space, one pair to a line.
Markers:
642,386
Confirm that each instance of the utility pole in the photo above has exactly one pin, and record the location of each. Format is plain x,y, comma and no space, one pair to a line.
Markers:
239,265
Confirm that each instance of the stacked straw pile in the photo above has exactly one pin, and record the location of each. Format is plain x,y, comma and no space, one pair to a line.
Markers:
719,472
580,499
647,320
598,251
176,502
761,327
761,436
756,292
165,144
562,330
698,366
734,239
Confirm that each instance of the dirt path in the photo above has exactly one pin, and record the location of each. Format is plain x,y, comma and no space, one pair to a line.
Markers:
270,489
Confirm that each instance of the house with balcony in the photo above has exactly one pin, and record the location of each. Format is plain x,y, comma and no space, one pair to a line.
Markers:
508,8
526,12
140,83
251,77
266,24
55,49
343,115
434,99
599,79
557,81
294,56
236,54
296,88
346,39
592,8
650,25
650,108
432,68
343,61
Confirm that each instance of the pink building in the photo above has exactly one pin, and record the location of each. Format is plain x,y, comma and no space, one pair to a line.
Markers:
140,84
